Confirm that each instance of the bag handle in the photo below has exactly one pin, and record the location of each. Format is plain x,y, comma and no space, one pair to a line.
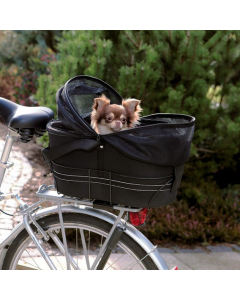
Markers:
52,153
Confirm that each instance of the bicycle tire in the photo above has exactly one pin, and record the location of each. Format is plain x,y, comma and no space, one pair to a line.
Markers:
16,249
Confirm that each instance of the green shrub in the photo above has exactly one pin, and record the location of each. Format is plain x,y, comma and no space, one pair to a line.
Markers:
24,55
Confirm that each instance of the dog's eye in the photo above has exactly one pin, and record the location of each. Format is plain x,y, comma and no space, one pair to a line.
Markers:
109,119
123,120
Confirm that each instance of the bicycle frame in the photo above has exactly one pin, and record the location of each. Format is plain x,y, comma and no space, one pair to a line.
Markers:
31,214
4,164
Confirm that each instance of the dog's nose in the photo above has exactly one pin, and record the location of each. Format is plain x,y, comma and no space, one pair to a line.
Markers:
117,124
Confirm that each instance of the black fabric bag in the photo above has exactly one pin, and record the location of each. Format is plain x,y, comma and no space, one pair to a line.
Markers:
139,167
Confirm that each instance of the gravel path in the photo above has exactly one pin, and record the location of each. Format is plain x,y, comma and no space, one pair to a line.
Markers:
15,178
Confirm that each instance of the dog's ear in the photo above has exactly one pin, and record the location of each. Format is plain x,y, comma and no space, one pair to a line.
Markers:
101,102
132,105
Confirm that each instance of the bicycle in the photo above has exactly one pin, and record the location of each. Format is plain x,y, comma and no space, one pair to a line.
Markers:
54,230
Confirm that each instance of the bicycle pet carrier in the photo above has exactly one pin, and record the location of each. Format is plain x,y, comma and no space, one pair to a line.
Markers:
139,167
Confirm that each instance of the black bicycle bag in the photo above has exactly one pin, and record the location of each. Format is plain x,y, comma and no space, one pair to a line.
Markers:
139,167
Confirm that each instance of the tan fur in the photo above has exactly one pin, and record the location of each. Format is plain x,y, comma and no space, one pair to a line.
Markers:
108,118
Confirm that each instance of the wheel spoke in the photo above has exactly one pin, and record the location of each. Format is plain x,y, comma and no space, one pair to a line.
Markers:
115,261
77,245
62,250
32,259
55,256
86,252
63,235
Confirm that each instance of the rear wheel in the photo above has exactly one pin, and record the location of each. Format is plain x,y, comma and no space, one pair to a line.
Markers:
85,235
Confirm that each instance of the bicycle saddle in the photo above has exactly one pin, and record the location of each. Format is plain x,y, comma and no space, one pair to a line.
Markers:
26,120
17,116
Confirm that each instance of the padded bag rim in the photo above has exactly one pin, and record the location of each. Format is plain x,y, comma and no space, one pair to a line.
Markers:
140,148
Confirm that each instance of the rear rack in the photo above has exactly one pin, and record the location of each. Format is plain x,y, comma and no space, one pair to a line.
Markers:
49,193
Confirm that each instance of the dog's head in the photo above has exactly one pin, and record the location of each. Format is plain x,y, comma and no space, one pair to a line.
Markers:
114,117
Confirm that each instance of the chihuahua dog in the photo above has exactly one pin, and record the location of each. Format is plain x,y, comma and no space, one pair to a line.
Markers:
109,118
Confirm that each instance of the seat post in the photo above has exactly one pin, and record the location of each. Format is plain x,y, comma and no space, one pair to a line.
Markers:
4,164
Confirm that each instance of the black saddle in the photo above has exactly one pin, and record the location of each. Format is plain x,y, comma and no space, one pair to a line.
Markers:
26,120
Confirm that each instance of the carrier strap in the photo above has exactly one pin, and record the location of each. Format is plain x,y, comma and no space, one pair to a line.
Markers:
51,153
178,171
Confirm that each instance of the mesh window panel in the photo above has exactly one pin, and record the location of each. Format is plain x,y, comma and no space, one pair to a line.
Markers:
81,93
